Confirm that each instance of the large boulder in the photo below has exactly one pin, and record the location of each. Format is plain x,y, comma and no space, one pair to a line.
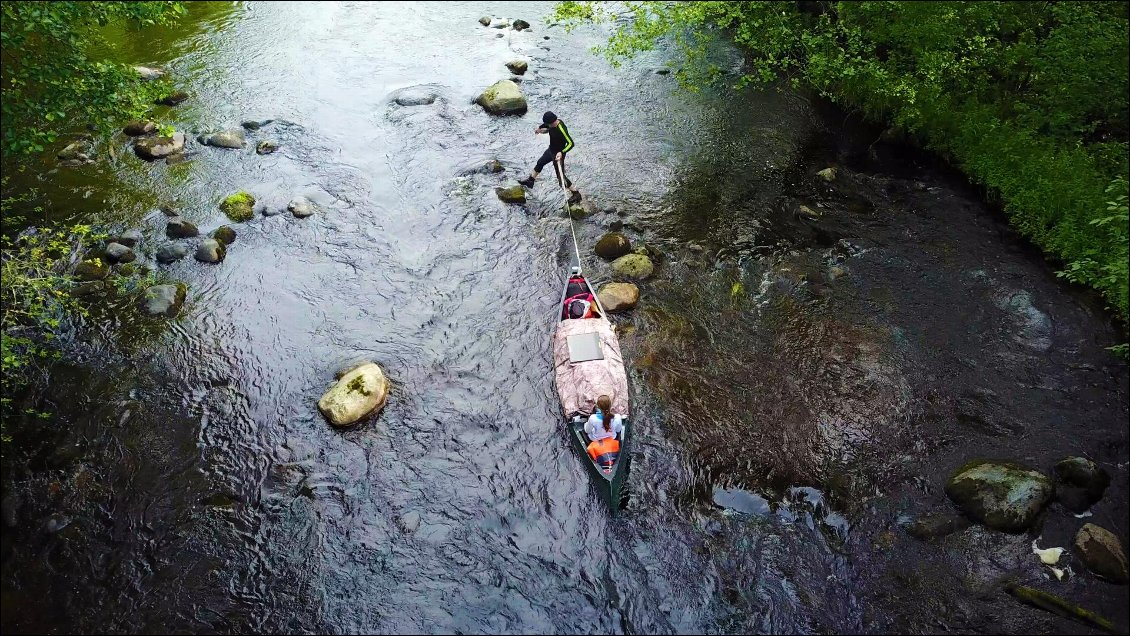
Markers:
1080,483
172,252
503,98
618,296
178,228
612,246
511,194
118,253
93,269
1002,495
485,20
224,234
357,394
520,25
163,300
302,207
136,128
158,147
637,266
517,67
1102,552
231,138
210,251
239,207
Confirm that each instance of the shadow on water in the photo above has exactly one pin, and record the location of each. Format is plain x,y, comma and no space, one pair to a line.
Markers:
788,366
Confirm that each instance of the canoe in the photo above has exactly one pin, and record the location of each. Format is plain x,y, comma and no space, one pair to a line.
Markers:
588,364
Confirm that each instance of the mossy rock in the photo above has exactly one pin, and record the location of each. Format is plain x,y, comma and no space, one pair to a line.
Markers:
239,207
635,266
1000,494
503,98
224,234
93,269
512,194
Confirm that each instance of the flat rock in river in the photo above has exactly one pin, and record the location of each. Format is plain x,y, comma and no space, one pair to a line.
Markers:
163,300
158,147
172,252
177,228
231,138
359,393
1002,495
1101,550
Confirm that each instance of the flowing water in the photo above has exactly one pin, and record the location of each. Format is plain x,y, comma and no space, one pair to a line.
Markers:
785,419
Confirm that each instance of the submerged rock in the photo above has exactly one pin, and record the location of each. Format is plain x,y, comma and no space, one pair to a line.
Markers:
153,148
210,251
618,296
256,125
358,394
171,252
517,67
1056,605
93,269
1080,483
173,98
503,98
266,147
1102,552
511,194
494,166
827,174
75,151
635,266
612,246
178,228
118,253
302,207
410,522
137,128
937,525
224,234
163,300
415,96
239,207
521,25
1002,495
231,138
88,288
149,73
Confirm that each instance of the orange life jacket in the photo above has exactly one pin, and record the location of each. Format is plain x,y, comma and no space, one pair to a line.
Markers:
604,451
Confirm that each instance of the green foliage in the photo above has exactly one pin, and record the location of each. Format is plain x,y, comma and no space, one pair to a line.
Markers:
50,81
34,271
1029,98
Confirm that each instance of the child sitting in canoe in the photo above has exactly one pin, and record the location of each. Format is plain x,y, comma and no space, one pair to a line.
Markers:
603,428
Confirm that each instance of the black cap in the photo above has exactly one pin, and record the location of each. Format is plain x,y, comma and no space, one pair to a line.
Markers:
548,117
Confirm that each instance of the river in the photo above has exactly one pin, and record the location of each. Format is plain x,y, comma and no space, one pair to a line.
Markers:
802,384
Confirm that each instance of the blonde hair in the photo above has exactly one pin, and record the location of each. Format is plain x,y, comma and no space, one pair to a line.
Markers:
604,403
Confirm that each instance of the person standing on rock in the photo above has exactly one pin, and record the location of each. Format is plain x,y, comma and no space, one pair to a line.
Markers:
560,143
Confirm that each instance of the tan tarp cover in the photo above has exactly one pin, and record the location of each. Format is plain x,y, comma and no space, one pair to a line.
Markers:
580,383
